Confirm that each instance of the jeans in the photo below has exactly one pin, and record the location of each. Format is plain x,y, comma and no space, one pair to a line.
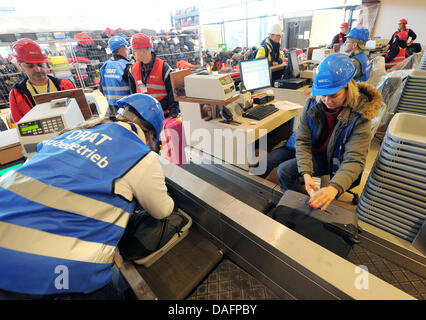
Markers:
273,160
288,173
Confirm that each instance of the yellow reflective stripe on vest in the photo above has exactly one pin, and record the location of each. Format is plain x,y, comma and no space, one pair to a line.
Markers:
48,244
110,96
116,88
63,200
167,74
156,86
157,95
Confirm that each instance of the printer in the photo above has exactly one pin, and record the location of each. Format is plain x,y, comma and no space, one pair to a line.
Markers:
210,86
45,121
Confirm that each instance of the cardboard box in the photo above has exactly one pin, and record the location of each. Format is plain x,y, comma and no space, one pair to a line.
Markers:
10,147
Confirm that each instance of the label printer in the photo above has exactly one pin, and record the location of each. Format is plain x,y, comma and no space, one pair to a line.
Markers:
211,86
45,121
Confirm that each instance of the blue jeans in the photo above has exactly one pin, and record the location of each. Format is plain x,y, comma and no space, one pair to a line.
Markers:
288,173
273,160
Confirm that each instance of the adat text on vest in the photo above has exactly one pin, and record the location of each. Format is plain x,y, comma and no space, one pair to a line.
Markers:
88,150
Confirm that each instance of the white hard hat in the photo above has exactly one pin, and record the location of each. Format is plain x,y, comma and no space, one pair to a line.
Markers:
276,29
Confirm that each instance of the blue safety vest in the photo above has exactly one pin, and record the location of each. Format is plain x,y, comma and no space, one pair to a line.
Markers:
60,220
365,66
113,85
340,142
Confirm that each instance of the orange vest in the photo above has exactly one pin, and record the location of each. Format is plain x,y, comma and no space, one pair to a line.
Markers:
399,58
341,38
155,86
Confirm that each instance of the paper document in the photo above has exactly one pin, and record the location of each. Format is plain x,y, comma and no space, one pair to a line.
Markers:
287,105
8,137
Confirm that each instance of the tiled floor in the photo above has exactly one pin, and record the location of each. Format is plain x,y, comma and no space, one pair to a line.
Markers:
230,282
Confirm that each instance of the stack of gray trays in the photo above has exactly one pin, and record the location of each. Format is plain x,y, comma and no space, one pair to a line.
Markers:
422,64
413,96
394,197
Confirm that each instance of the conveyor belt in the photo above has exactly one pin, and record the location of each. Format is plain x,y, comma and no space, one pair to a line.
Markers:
263,259
243,188
229,282
388,271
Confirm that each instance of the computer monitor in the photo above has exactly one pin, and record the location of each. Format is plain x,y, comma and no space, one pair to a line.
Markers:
255,74
293,64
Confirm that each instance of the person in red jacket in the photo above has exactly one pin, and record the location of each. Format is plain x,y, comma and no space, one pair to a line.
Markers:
340,38
33,62
152,74
396,53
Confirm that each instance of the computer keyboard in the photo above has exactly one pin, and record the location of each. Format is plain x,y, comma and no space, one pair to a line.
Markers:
260,112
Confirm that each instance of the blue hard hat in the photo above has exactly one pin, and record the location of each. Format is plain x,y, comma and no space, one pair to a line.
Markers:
333,74
149,110
359,32
117,42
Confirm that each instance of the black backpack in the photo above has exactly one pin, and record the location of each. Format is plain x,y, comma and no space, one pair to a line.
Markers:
145,234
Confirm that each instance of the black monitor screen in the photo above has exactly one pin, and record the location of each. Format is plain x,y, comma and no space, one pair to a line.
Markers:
255,74
293,64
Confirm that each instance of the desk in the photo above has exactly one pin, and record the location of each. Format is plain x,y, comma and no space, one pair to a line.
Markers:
237,144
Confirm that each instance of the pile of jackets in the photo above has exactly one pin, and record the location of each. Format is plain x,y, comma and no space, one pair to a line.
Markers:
170,46
8,77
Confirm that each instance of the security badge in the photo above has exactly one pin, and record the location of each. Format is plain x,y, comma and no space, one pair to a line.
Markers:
142,86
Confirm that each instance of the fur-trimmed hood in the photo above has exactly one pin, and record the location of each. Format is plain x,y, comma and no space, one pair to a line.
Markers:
369,101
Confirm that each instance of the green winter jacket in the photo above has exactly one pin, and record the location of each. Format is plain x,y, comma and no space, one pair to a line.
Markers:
356,146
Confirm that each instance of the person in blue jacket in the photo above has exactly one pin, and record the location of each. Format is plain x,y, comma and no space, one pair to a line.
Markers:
355,47
116,76
63,212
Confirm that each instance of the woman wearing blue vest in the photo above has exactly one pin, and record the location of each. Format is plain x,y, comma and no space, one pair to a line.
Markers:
333,136
64,212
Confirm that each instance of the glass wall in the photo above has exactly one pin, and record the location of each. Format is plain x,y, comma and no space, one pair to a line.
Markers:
247,23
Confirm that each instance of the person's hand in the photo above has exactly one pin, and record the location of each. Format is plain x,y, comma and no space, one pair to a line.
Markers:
386,48
274,63
323,197
309,184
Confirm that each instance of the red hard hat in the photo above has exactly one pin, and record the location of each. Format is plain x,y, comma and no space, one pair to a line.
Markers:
403,21
26,50
344,25
403,35
140,40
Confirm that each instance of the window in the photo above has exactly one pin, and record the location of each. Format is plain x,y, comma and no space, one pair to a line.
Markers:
235,34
